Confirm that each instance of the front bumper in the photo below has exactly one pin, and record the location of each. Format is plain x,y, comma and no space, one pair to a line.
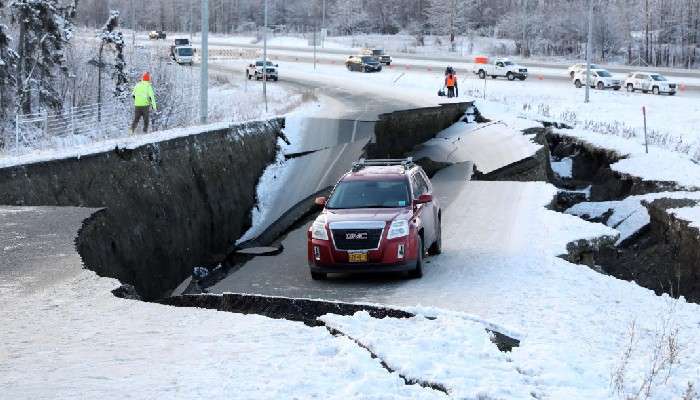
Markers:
383,259
344,268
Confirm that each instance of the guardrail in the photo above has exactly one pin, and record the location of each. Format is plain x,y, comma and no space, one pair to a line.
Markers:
73,126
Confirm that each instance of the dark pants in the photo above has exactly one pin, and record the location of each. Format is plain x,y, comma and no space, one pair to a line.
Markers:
450,91
140,112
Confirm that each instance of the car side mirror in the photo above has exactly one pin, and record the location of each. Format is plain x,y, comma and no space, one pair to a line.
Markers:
320,201
423,199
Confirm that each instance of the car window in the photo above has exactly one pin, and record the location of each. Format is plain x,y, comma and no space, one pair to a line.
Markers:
370,194
657,77
422,183
499,64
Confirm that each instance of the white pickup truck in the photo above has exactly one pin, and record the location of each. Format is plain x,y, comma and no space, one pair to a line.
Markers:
500,67
255,70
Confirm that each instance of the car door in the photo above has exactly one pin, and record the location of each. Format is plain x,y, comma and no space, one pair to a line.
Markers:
645,81
426,211
499,68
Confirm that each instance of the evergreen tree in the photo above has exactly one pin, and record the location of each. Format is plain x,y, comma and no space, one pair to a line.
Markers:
45,28
112,39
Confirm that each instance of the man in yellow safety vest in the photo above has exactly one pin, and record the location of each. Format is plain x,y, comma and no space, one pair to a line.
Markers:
144,100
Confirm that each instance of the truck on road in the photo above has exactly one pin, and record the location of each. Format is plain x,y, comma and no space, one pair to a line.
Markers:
499,67
182,54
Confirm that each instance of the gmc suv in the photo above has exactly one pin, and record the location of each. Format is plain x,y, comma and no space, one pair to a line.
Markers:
380,217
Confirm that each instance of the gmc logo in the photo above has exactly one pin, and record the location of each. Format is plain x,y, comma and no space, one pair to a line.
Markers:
356,236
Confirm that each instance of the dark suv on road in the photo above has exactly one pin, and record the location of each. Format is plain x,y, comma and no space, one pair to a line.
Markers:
363,64
380,217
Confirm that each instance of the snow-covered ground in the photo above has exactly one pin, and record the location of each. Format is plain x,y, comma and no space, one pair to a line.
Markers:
581,332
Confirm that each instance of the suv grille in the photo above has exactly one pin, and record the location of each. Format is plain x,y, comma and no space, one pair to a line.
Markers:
356,239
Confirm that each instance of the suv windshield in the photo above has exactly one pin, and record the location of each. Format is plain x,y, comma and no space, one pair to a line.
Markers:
260,63
185,51
377,52
370,194
368,59
658,77
181,42
604,74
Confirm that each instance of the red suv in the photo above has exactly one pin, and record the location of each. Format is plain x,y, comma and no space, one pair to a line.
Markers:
380,217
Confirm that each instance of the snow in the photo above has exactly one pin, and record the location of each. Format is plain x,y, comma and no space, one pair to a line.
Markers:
628,216
87,343
690,214
563,167
455,352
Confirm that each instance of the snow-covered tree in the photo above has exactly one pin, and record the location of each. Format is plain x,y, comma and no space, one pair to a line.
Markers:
45,28
349,16
113,40
8,62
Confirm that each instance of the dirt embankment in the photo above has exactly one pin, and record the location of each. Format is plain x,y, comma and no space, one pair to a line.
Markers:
663,256
167,206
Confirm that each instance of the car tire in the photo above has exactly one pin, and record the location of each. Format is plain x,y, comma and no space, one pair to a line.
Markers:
275,79
436,247
388,64
319,276
645,91
630,87
600,86
510,76
671,93
571,75
418,271
482,74
616,88
522,78
655,90
578,84
493,76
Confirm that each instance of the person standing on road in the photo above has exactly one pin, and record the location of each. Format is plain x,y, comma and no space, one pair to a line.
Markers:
451,83
144,100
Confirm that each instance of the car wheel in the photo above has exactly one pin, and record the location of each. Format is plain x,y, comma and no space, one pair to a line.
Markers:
318,276
616,88
493,76
671,93
436,247
482,74
655,90
418,272
348,67
578,84
510,76
571,74
388,64
630,87
522,78
275,79
645,91
600,86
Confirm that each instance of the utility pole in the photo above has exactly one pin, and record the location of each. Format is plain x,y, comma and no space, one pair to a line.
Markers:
523,46
588,50
132,23
204,66
265,59
323,22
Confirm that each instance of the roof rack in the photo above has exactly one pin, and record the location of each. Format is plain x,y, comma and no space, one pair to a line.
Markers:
406,163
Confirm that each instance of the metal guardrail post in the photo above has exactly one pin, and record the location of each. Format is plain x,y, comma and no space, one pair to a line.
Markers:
17,134
46,123
72,120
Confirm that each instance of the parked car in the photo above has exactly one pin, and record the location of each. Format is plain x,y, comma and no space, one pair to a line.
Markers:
499,67
576,68
379,54
363,64
600,79
380,217
650,82
155,35
255,70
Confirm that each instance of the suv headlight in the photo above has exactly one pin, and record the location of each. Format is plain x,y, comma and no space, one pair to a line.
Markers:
318,230
398,228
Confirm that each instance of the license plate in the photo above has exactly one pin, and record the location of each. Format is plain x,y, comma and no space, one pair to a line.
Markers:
357,257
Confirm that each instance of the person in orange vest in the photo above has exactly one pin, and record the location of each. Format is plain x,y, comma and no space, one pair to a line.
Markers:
451,83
